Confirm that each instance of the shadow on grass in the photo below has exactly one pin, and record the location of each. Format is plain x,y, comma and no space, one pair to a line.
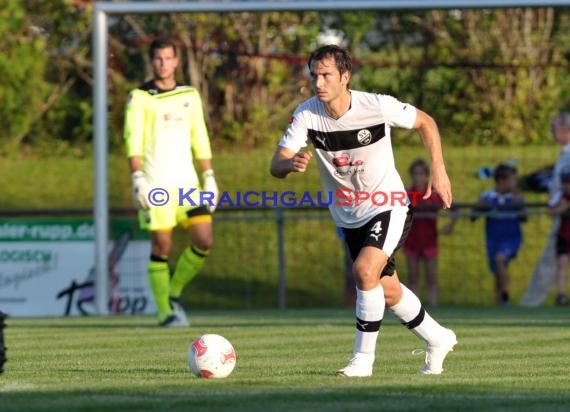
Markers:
551,317
289,368
363,395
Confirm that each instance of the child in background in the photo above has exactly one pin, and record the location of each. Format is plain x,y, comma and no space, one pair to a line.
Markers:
421,244
504,210
559,205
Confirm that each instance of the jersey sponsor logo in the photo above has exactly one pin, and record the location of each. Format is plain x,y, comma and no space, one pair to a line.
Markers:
346,166
173,120
342,160
364,136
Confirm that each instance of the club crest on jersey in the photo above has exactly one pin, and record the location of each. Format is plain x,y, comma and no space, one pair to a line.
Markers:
364,136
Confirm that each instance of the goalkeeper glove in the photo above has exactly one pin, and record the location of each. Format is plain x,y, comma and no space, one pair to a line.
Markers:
209,185
141,188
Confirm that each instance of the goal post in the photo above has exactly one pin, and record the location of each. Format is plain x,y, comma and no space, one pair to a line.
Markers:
103,9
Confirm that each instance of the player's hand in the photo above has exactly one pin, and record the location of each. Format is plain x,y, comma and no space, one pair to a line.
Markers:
209,185
440,182
300,161
141,188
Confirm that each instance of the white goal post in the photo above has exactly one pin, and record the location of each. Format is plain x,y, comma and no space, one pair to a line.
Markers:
102,10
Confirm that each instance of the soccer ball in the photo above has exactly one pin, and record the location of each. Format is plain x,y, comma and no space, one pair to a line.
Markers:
211,356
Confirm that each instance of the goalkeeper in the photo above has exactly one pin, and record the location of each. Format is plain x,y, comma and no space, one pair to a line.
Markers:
164,132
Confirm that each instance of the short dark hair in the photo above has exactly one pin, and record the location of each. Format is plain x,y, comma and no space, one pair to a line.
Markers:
162,43
563,118
341,57
504,171
419,162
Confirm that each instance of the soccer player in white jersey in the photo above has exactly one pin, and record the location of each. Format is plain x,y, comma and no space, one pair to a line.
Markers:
165,133
350,132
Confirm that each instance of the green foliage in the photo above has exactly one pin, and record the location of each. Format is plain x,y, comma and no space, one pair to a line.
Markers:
488,76
46,103
23,63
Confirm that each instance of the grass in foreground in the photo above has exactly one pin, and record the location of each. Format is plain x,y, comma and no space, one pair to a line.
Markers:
507,359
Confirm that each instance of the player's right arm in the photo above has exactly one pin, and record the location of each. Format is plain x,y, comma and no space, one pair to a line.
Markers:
288,156
135,163
285,161
133,134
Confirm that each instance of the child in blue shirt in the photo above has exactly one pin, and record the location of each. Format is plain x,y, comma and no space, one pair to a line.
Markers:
504,210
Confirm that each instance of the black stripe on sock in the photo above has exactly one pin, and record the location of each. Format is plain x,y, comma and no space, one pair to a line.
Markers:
198,252
415,322
155,258
368,326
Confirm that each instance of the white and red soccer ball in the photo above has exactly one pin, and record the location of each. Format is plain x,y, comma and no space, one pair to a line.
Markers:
211,356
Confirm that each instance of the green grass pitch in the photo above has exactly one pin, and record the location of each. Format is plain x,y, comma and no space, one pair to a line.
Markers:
508,359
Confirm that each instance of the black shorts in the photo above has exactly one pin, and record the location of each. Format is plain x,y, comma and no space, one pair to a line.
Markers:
376,232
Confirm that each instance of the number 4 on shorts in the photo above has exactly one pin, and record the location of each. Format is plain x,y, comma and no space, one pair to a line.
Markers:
377,228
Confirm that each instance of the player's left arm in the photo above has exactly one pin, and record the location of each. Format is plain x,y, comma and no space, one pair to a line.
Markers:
202,150
204,164
200,139
429,132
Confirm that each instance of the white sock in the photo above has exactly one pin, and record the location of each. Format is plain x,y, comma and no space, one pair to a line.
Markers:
410,312
370,306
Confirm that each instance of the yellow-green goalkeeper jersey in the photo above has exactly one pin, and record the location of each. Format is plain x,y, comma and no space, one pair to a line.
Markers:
167,129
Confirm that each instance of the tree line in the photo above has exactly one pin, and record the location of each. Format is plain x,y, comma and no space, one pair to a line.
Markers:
488,76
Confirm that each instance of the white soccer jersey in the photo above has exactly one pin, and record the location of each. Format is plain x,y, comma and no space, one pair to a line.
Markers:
554,187
354,152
